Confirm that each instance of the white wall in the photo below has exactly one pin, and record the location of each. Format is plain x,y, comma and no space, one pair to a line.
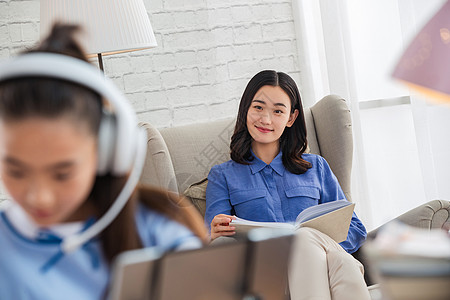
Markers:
207,51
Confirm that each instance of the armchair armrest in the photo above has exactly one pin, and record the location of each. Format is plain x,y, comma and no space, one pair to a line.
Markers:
433,214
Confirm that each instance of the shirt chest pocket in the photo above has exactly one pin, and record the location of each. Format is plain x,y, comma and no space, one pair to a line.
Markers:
246,203
303,196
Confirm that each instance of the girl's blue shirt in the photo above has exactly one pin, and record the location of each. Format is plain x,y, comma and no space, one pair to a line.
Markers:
35,268
270,193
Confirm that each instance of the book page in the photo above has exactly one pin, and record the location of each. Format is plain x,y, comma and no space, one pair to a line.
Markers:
321,209
331,221
335,224
244,226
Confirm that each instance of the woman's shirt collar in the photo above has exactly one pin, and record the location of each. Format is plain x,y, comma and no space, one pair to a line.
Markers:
256,165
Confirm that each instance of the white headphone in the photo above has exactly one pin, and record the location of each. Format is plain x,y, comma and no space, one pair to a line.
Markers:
121,143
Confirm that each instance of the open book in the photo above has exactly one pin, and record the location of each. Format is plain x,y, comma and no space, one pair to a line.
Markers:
332,218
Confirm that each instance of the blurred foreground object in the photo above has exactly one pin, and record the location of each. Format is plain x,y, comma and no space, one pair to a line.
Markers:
411,263
425,65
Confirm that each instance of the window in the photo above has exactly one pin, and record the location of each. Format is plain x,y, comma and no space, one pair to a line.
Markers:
401,146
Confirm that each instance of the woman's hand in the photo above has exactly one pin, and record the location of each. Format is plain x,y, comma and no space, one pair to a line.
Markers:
220,226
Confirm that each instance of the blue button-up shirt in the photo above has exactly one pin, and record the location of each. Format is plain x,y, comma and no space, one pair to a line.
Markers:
270,193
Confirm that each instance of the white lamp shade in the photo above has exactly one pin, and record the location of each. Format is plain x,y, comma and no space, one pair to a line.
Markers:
109,26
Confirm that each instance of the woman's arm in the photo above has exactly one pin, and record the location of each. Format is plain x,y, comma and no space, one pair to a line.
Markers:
218,206
332,191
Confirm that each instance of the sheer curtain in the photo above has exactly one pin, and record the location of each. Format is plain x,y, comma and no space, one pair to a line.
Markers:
350,48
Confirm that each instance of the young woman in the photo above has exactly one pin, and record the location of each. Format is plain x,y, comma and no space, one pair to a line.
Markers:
49,131
270,178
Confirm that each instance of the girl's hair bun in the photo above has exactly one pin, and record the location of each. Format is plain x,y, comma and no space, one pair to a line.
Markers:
62,40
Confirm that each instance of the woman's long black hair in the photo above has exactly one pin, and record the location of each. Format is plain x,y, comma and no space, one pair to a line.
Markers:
293,141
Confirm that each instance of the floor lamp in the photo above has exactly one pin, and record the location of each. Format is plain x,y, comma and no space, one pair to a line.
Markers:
110,26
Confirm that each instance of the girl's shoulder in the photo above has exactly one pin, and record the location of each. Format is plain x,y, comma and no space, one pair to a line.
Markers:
148,215
153,221
157,229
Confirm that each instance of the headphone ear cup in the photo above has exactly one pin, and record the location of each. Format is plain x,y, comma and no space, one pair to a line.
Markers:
106,143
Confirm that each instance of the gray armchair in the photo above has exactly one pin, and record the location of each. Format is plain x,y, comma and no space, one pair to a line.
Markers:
179,158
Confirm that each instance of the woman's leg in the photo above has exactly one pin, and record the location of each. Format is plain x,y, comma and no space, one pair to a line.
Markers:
320,269
346,277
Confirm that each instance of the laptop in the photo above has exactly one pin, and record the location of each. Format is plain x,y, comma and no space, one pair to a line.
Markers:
132,274
255,268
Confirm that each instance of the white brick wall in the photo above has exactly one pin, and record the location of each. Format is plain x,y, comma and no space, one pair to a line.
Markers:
207,51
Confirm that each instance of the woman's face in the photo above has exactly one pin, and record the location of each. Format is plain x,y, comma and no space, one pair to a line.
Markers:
48,166
269,114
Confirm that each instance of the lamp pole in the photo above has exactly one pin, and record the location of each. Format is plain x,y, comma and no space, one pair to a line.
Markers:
100,61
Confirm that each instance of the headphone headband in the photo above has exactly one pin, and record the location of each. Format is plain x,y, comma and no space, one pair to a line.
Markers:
120,141
58,66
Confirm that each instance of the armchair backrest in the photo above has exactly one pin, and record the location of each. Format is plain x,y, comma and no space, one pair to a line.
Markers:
180,156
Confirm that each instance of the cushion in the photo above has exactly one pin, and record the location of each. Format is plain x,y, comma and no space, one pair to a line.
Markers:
196,192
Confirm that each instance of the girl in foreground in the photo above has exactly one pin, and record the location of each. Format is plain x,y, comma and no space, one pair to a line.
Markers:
270,179
49,139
